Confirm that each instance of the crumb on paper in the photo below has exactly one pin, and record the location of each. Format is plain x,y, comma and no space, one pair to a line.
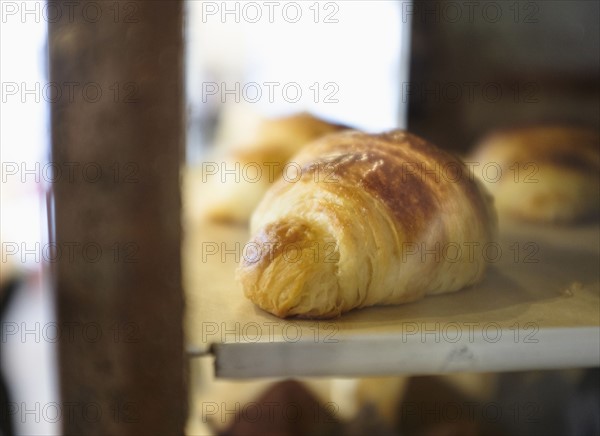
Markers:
572,288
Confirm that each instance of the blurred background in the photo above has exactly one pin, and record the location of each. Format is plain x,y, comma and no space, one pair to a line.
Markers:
341,61
449,71
492,65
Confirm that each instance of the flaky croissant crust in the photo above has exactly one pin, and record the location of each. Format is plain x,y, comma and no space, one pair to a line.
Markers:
337,236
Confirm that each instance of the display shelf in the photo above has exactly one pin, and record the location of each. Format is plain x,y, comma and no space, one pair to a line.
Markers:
537,308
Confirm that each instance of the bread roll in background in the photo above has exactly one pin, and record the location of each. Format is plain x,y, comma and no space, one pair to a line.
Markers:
349,232
230,183
543,173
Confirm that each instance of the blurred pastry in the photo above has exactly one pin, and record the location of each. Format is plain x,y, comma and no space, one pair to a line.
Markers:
546,174
228,186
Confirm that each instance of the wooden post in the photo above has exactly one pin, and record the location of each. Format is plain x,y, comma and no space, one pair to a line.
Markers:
117,143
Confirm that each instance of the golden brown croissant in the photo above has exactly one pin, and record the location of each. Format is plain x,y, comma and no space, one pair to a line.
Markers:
361,225
542,173
231,185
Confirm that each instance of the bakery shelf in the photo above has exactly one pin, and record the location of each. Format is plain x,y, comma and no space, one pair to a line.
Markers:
538,308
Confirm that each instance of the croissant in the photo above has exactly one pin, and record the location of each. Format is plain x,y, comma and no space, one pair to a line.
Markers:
543,173
232,184
370,220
